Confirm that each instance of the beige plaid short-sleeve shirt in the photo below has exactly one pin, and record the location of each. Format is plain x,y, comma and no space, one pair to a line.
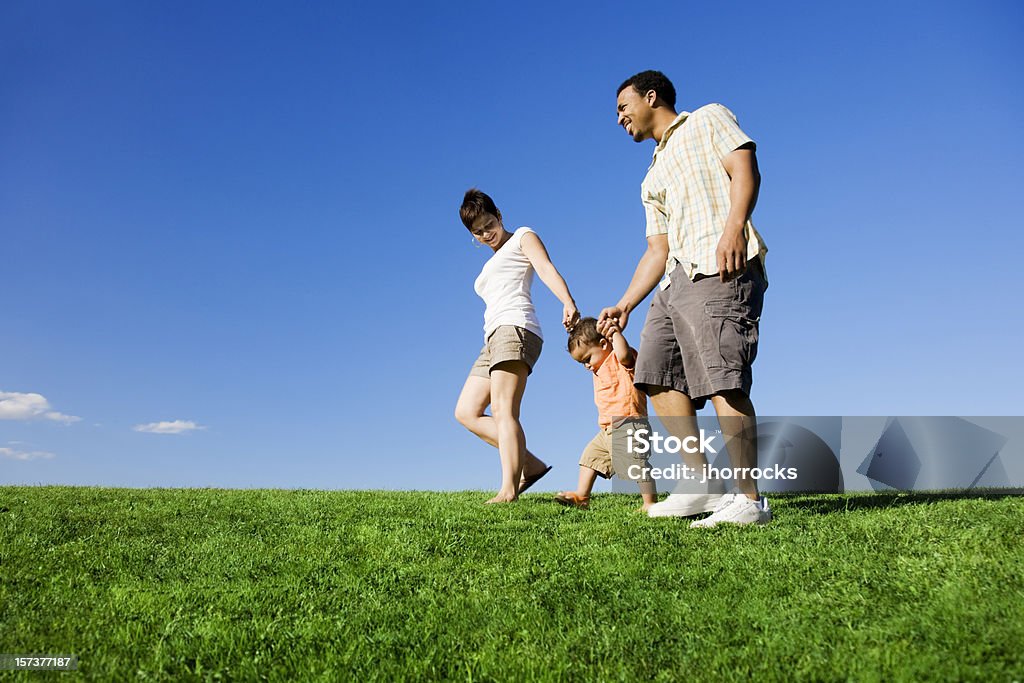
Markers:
686,190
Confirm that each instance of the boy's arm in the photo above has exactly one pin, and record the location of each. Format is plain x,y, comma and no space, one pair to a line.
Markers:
620,347
549,275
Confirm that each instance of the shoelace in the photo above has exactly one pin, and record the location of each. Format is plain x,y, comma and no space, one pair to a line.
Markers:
726,501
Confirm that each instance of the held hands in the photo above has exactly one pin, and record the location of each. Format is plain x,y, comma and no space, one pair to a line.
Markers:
570,316
731,254
608,327
616,315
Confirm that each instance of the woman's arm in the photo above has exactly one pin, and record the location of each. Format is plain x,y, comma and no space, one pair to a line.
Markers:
549,275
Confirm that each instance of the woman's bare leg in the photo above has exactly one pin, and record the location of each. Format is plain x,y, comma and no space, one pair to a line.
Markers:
508,383
471,412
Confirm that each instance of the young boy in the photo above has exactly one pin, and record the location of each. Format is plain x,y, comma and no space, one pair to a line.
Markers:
611,360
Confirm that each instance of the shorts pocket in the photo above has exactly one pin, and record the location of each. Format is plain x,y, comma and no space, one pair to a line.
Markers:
732,335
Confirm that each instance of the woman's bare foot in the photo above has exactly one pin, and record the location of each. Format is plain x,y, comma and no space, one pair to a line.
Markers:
503,498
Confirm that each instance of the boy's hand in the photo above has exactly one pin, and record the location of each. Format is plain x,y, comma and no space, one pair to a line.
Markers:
608,327
615,313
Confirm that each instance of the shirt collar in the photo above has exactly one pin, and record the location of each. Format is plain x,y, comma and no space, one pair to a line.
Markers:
679,120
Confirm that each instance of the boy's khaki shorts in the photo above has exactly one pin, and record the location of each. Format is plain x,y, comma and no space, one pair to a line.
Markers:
607,454
506,343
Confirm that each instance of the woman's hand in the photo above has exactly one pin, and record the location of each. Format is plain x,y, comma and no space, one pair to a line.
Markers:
570,316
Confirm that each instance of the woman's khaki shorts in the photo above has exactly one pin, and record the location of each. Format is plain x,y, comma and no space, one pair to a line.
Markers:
506,343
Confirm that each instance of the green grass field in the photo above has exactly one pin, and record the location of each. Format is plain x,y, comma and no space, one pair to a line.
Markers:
189,584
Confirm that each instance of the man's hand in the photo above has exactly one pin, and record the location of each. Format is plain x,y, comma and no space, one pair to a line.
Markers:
731,255
616,314
744,183
608,327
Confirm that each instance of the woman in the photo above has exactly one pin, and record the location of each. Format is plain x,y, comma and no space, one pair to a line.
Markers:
512,340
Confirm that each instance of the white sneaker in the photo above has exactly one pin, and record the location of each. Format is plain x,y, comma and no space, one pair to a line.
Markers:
738,510
687,504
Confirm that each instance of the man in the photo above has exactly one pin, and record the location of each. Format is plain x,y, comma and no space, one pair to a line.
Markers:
700,336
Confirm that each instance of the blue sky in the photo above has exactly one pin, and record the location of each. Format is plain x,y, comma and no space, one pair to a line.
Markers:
244,218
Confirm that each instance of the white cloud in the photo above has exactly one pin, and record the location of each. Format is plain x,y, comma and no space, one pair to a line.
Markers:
16,406
24,455
176,427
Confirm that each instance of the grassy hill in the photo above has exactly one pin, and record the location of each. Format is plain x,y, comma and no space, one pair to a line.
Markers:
189,584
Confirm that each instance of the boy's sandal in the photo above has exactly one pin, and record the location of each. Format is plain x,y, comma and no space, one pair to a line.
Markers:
572,499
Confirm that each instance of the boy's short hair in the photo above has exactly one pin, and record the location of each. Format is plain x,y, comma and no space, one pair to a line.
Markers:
651,80
584,334
476,204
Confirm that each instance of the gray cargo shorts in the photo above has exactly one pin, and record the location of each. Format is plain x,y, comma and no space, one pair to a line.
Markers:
700,337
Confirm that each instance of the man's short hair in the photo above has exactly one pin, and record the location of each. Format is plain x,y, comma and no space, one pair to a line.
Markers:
651,80
476,204
584,334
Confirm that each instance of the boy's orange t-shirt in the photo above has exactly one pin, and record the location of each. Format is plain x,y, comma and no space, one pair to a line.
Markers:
614,393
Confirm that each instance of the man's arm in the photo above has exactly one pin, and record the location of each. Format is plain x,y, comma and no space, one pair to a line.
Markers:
731,255
649,271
